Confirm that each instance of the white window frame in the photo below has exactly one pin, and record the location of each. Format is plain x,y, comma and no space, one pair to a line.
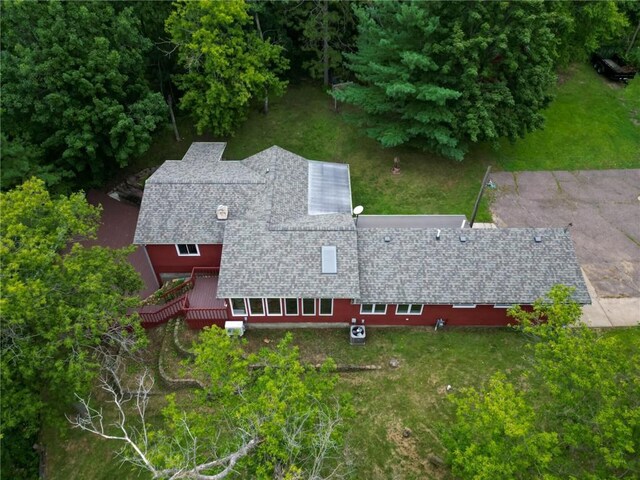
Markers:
285,307
410,305
302,307
197,254
503,305
266,304
264,307
373,309
320,307
464,305
233,312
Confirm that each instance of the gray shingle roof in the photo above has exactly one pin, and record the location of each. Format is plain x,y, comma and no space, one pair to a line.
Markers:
273,247
181,197
494,266
277,263
184,213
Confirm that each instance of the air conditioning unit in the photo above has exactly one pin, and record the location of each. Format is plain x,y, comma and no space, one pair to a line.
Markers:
234,328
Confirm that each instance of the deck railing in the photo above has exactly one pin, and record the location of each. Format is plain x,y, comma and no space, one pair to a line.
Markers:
178,290
205,272
178,304
165,313
205,314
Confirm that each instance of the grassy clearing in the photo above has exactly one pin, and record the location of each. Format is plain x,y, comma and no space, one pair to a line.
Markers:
304,122
386,401
412,396
590,125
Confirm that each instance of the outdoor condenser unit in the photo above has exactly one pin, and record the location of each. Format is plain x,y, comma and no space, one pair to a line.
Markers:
234,328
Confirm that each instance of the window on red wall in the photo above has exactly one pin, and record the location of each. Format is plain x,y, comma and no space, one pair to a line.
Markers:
187,249
373,308
308,306
238,307
408,309
256,306
326,306
291,306
274,307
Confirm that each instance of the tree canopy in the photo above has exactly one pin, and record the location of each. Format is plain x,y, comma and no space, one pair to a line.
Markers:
59,302
75,102
325,31
442,75
575,414
264,415
585,27
227,64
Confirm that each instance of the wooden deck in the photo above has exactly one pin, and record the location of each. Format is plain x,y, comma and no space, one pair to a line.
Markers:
203,294
195,300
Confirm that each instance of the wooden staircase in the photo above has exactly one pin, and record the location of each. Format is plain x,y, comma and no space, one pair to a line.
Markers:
177,302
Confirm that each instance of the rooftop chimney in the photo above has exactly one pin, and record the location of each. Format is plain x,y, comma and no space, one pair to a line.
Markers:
222,212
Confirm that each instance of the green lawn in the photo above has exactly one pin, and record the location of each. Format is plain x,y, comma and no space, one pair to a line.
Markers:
386,402
588,126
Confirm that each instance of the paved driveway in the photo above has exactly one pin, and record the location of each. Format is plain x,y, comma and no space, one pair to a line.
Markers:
604,207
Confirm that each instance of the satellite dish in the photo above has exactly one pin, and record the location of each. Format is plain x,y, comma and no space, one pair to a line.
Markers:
358,210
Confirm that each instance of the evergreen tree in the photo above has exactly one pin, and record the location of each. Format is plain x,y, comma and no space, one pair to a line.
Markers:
441,76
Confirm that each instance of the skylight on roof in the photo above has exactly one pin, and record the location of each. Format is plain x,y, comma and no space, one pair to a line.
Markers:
329,188
329,259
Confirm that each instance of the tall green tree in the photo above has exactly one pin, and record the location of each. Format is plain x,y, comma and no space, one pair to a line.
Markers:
227,64
74,92
585,27
264,415
326,29
59,302
575,414
444,75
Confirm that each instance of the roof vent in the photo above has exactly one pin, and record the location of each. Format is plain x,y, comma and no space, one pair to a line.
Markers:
222,212
463,238
329,259
387,239
538,239
438,235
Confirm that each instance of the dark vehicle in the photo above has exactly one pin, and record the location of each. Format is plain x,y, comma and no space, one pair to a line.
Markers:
613,67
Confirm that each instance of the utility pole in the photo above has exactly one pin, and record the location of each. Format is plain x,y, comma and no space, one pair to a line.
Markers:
475,207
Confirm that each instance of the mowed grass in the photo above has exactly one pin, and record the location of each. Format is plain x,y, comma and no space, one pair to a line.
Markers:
304,122
592,124
413,396
386,402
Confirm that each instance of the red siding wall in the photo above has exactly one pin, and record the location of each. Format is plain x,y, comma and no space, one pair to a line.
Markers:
165,259
344,311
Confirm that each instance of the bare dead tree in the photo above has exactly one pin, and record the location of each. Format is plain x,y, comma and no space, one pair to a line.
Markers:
324,448
310,438
137,440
